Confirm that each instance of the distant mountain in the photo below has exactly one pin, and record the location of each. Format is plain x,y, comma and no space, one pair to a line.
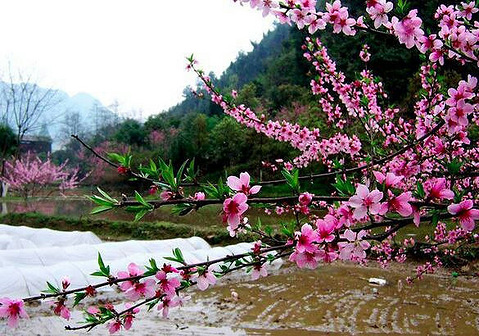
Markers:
63,115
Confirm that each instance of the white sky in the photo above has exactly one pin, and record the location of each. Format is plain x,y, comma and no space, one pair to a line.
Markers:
132,51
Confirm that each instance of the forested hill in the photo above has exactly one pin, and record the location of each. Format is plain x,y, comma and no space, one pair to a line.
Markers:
272,79
275,67
247,68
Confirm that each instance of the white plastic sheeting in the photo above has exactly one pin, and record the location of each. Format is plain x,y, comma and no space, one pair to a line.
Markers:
25,271
30,237
110,251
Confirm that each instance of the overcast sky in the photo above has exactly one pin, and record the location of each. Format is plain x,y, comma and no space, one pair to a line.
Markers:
132,51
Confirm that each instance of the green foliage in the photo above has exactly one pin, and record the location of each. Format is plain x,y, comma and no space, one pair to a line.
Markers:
344,186
104,203
123,160
51,289
292,179
140,210
177,256
131,132
104,271
8,141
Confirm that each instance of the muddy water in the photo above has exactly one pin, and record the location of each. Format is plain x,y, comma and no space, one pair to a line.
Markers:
339,299
333,300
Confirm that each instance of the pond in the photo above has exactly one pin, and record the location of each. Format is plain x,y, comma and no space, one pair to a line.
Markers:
80,208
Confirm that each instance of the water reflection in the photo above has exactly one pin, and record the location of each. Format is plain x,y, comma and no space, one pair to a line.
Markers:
80,208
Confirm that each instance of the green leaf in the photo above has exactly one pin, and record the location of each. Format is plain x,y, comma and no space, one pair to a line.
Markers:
140,214
182,209
171,259
152,269
51,289
179,255
104,270
117,157
258,224
211,191
292,178
166,172
179,174
344,187
100,201
454,167
78,297
153,264
141,200
97,273
420,193
152,304
101,208
190,172
101,264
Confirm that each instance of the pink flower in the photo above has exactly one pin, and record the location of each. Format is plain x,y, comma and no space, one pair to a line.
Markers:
61,310
65,282
364,54
328,255
355,248
439,190
305,198
122,170
128,321
206,278
306,238
306,259
199,196
460,112
167,303
326,228
167,285
345,216
365,202
466,214
153,189
257,247
165,195
400,204
379,11
233,208
133,270
259,271
146,289
468,9
241,184
408,30
114,327
12,310
390,180
93,310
